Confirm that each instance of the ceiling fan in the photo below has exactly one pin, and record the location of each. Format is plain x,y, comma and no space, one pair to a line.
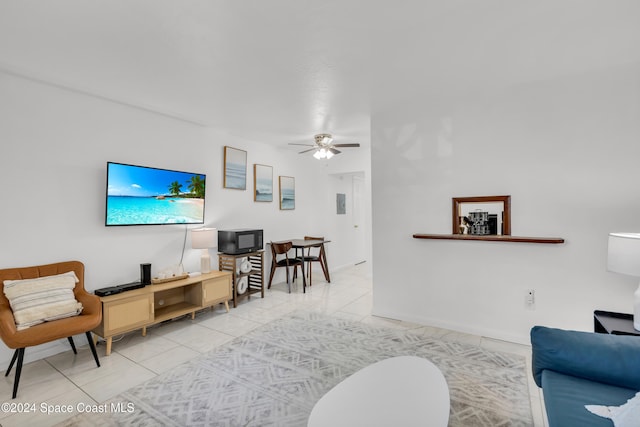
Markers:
324,146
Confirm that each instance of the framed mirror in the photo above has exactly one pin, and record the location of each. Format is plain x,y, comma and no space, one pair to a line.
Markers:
481,215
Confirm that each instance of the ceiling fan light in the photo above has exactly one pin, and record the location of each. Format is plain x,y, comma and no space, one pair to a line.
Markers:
329,154
317,155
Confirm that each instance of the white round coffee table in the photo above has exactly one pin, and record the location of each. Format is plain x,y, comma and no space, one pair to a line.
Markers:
401,391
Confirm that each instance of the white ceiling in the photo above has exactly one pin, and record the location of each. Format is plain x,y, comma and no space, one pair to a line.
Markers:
281,71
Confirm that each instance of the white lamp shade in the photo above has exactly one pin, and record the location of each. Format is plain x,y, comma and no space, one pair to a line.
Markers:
624,253
204,238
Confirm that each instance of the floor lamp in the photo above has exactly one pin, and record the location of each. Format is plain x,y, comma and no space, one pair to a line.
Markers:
624,258
205,239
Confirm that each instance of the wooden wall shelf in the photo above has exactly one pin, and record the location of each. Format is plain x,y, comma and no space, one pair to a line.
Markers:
491,238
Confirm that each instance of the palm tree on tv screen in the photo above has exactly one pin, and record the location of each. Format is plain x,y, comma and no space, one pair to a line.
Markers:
196,186
174,188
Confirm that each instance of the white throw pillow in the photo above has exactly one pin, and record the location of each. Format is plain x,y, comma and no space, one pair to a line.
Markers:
627,415
34,301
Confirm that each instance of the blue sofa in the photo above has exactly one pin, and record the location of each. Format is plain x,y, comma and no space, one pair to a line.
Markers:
582,368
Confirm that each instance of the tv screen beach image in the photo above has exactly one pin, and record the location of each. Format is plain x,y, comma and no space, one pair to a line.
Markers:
138,195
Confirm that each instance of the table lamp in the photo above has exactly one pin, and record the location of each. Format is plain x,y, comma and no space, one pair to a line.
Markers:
624,258
204,238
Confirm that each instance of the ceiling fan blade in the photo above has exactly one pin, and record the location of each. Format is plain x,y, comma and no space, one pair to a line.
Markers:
306,151
347,145
306,145
334,151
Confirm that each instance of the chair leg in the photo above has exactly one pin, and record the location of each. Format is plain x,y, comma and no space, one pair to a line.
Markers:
93,348
13,360
273,270
16,380
325,269
73,346
288,281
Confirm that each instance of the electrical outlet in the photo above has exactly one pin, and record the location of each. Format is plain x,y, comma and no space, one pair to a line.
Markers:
530,297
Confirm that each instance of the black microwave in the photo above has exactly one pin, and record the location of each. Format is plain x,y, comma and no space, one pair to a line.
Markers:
240,241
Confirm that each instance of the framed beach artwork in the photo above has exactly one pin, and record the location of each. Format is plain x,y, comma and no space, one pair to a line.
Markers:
262,183
235,168
287,192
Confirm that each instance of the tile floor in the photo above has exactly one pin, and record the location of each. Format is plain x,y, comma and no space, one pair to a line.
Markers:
52,389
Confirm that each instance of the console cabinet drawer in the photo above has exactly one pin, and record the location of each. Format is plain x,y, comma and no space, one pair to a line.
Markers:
216,290
127,314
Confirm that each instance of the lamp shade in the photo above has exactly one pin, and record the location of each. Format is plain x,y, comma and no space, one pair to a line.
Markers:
624,253
204,238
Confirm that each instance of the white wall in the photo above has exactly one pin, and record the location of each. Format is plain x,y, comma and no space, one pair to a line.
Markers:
565,149
55,145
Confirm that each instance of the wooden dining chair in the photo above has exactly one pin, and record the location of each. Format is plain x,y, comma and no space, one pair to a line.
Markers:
319,256
282,249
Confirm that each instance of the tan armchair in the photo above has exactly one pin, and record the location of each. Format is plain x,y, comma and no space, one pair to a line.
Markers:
48,331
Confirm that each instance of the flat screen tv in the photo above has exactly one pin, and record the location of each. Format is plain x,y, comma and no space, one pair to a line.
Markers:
140,195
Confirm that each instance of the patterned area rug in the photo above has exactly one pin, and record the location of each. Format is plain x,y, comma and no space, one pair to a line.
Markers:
274,375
